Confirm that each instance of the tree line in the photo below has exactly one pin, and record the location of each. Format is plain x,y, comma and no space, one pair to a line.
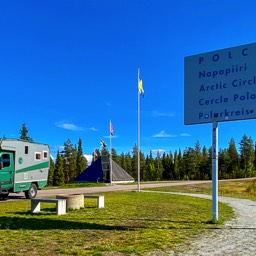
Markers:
193,163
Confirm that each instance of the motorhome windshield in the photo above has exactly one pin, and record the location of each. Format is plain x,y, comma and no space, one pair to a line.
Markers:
4,160
1,163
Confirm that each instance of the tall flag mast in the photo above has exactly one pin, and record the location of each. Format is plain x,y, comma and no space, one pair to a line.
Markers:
140,93
111,133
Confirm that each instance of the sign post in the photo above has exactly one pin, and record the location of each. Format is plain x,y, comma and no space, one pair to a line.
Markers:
215,171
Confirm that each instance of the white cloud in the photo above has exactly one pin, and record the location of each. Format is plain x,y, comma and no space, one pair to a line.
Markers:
108,136
163,134
89,159
156,113
160,151
56,148
185,135
69,126
93,129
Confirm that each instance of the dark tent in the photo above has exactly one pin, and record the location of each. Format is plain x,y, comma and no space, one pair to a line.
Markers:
99,171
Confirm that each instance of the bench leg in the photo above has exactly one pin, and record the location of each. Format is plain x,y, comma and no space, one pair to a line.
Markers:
61,207
101,202
35,207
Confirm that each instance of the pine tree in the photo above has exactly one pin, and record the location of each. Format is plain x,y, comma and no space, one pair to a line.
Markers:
150,168
190,163
158,167
198,159
81,162
69,161
122,160
205,168
247,155
58,178
24,133
134,161
233,159
168,166
223,161
142,166
210,161
128,164
115,156
255,155
171,164
51,172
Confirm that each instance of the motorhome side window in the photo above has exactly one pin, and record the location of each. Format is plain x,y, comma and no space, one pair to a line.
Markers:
45,154
6,160
26,150
37,155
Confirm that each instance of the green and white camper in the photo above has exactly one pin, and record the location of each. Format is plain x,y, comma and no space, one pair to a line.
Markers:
24,167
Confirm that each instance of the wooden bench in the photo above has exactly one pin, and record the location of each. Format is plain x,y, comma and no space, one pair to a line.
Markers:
60,204
100,199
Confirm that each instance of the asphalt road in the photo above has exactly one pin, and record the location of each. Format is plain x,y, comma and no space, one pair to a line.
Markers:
114,187
107,188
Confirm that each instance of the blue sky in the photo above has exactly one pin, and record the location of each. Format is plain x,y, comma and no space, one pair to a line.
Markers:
69,67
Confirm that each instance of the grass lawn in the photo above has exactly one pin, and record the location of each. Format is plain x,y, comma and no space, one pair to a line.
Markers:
233,188
131,223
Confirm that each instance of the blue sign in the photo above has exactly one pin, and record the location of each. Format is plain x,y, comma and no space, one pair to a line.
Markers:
221,85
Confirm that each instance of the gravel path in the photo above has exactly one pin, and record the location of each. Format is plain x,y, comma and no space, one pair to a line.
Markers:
236,237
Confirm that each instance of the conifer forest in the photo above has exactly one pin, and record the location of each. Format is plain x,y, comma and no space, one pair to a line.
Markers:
193,163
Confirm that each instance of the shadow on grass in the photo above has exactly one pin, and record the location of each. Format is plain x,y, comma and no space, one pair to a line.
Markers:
32,222
16,223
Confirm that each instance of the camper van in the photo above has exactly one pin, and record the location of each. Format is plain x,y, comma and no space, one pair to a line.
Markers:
24,167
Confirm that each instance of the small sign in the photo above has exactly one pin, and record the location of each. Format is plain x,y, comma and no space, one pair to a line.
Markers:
220,85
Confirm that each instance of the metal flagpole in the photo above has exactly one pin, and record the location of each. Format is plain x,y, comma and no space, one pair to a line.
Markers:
138,131
110,138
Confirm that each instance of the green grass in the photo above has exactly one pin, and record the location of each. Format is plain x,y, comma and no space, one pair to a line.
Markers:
131,223
233,188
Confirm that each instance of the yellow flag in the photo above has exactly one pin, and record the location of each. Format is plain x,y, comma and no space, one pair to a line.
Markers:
141,90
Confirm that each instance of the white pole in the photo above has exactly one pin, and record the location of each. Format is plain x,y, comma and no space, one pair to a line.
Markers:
138,132
110,158
215,171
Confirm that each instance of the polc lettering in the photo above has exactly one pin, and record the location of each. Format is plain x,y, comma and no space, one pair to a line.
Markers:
216,57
